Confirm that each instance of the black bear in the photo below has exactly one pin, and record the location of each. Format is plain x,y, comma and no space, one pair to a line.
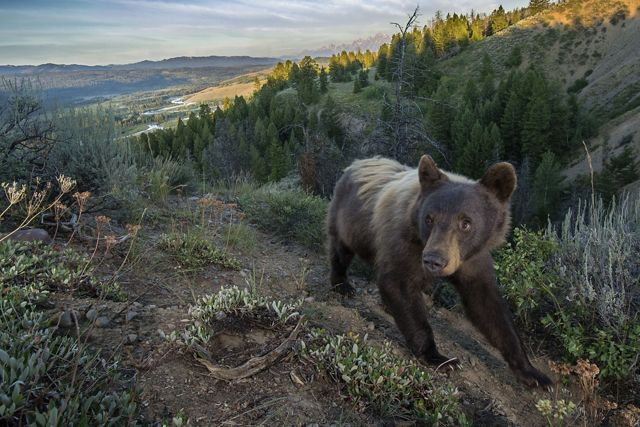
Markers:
416,225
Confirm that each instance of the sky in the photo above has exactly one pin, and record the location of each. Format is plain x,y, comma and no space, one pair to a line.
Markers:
122,31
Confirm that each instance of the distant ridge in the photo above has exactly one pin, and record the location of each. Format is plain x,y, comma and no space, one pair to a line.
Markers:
372,43
164,64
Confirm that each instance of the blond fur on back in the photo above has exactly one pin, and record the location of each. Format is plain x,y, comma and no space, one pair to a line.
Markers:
384,183
371,175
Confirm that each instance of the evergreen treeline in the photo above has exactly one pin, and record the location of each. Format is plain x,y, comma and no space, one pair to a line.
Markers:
343,66
518,119
263,137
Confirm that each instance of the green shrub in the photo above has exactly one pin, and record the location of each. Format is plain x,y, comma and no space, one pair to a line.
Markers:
578,85
164,176
582,281
291,213
193,250
237,302
374,92
49,380
374,378
33,270
45,378
597,266
522,271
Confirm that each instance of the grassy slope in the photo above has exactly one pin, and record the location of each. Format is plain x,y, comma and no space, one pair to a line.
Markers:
240,86
569,41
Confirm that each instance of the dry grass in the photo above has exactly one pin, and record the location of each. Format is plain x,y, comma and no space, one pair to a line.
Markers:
220,92
238,86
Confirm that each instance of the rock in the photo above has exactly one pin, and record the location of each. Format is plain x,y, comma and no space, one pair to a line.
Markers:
221,315
131,314
131,338
151,307
137,304
102,322
309,299
92,314
31,235
371,326
66,319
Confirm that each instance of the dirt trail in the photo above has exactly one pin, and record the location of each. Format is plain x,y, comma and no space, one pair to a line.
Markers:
169,382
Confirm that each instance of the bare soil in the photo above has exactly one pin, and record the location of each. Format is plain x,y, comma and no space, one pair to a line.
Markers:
292,391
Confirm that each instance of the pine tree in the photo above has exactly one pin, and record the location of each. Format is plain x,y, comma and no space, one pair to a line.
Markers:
363,76
357,86
324,81
441,114
515,57
469,163
547,186
536,6
511,126
535,128
497,21
383,53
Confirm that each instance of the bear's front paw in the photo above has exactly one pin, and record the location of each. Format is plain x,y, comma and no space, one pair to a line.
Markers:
534,378
345,289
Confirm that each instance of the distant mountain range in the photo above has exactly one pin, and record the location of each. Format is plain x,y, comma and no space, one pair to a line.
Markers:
372,43
185,62
181,62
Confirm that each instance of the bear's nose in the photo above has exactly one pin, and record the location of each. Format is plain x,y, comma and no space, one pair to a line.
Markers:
434,263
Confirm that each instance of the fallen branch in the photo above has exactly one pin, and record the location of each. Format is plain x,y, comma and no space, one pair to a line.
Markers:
255,364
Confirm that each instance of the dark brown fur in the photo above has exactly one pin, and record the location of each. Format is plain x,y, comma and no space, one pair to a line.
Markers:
418,225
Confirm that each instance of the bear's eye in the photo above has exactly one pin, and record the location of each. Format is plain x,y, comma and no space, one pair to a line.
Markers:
428,220
465,225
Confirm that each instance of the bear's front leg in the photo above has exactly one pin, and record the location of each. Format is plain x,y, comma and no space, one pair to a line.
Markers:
403,297
475,282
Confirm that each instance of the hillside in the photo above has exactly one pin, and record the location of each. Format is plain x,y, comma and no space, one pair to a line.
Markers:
592,47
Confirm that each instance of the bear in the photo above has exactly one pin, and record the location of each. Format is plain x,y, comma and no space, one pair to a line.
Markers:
416,226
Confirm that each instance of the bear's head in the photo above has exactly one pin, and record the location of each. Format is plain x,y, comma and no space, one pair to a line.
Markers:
457,218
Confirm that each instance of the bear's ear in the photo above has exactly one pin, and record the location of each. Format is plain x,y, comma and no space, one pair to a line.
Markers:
428,172
501,180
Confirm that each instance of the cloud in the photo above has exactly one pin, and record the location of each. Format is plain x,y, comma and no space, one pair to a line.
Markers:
160,29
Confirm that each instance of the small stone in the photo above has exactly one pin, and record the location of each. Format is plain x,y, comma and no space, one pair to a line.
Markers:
221,315
102,322
131,338
151,307
137,304
371,326
131,315
92,314
66,319
309,299
174,307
